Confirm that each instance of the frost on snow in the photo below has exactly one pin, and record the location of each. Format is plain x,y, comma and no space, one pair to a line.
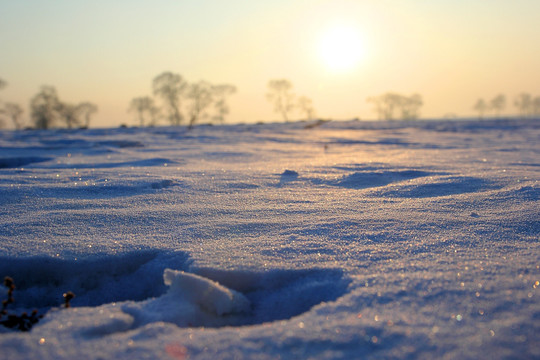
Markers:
343,240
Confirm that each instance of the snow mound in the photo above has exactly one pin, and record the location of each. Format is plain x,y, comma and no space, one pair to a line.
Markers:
191,300
288,176
290,173
163,184
371,179
208,294
443,186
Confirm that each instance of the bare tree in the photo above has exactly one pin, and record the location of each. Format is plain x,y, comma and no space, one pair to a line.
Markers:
144,105
73,114
379,106
410,106
154,114
387,104
3,84
497,104
524,104
391,102
14,111
69,114
86,110
200,96
481,107
306,106
169,87
220,94
45,107
279,92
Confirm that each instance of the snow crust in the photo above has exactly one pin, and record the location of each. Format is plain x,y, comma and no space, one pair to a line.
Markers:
335,240
208,294
191,300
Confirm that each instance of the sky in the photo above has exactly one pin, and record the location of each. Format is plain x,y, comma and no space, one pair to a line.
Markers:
452,52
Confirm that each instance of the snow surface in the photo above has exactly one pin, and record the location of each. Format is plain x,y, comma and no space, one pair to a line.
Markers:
337,240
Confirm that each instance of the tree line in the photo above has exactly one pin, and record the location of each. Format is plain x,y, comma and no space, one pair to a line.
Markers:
390,105
286,102
10,110
177,101
525,103
173,97
46,110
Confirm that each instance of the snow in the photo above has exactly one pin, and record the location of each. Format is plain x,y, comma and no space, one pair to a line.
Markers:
332,240
209,295
191,300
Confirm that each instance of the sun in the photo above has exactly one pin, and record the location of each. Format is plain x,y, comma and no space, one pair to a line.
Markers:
341,48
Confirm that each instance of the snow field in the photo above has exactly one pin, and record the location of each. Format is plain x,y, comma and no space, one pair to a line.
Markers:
347,240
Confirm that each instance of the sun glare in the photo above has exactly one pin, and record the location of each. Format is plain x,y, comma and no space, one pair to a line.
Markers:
341,48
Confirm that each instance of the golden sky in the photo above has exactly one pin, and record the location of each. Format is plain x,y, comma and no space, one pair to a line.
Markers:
336,52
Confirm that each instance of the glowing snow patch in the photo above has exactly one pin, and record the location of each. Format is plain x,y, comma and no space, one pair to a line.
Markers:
208,294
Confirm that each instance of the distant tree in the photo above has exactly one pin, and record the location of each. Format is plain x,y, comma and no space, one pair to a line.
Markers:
306,106
76,115
154,114
200,96
220,94
387,104
14,111
68,112
139,105
279,92
144,105
480,106
3,84
410,106
536,106
170,87
497,104
524,104
85,110
45,107
380,107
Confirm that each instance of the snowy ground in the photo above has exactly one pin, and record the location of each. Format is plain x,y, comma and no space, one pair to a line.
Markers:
340,241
